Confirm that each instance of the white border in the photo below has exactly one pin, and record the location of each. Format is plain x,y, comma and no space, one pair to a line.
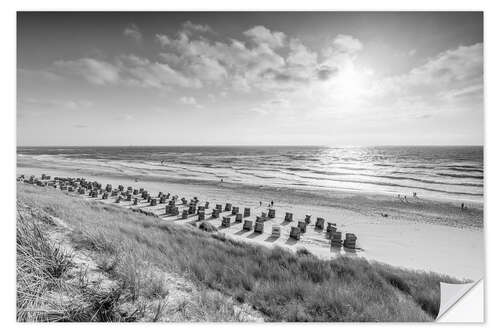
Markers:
8,140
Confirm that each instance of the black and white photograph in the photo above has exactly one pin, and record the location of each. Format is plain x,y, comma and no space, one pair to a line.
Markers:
247,166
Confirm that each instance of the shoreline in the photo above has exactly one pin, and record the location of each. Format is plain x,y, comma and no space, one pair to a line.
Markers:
402,239
150,170
422,210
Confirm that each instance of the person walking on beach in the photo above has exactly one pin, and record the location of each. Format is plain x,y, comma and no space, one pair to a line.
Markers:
272,203
462,206
260,203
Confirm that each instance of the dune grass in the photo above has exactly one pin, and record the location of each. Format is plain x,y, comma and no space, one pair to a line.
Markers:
280,285
48,288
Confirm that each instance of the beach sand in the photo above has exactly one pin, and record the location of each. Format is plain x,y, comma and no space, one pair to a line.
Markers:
422,234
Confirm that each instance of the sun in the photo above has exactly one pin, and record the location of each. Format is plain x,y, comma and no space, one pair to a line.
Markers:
350,83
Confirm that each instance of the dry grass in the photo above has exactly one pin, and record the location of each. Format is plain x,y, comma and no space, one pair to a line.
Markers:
279,284
47,289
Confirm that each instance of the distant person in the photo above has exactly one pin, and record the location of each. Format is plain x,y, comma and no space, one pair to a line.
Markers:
414,194
260,203
222,180
272,203
405,199
462,206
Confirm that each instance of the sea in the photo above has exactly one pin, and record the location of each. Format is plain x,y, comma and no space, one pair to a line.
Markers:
448,172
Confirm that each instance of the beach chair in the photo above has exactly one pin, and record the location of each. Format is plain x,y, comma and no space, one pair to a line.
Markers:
153,202
331,227
235,210
276,232
239,218
218,207
226,222
271,213
175,211
184,213
228,207
288,217
308,219
302,225
320,223
336,238
207,204
259,227
295,233
247,225
136,201
215,213
350,241
201,215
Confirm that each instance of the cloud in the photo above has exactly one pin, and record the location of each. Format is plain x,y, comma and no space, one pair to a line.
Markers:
189,100
132,31
300,55
57,103
256,65
124,117
163,39
261,35
448,75
143,72
191,61
93,70
125,69
191,27
345,44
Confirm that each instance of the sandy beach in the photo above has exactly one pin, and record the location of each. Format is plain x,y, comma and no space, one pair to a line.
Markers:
420,234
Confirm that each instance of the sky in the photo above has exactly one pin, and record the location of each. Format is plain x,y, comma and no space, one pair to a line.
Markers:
250,78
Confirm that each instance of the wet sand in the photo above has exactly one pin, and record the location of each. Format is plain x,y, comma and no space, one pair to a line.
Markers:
420,234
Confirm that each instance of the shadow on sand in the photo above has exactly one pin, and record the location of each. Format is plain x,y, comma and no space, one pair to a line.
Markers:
271,239
254,234
241,232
